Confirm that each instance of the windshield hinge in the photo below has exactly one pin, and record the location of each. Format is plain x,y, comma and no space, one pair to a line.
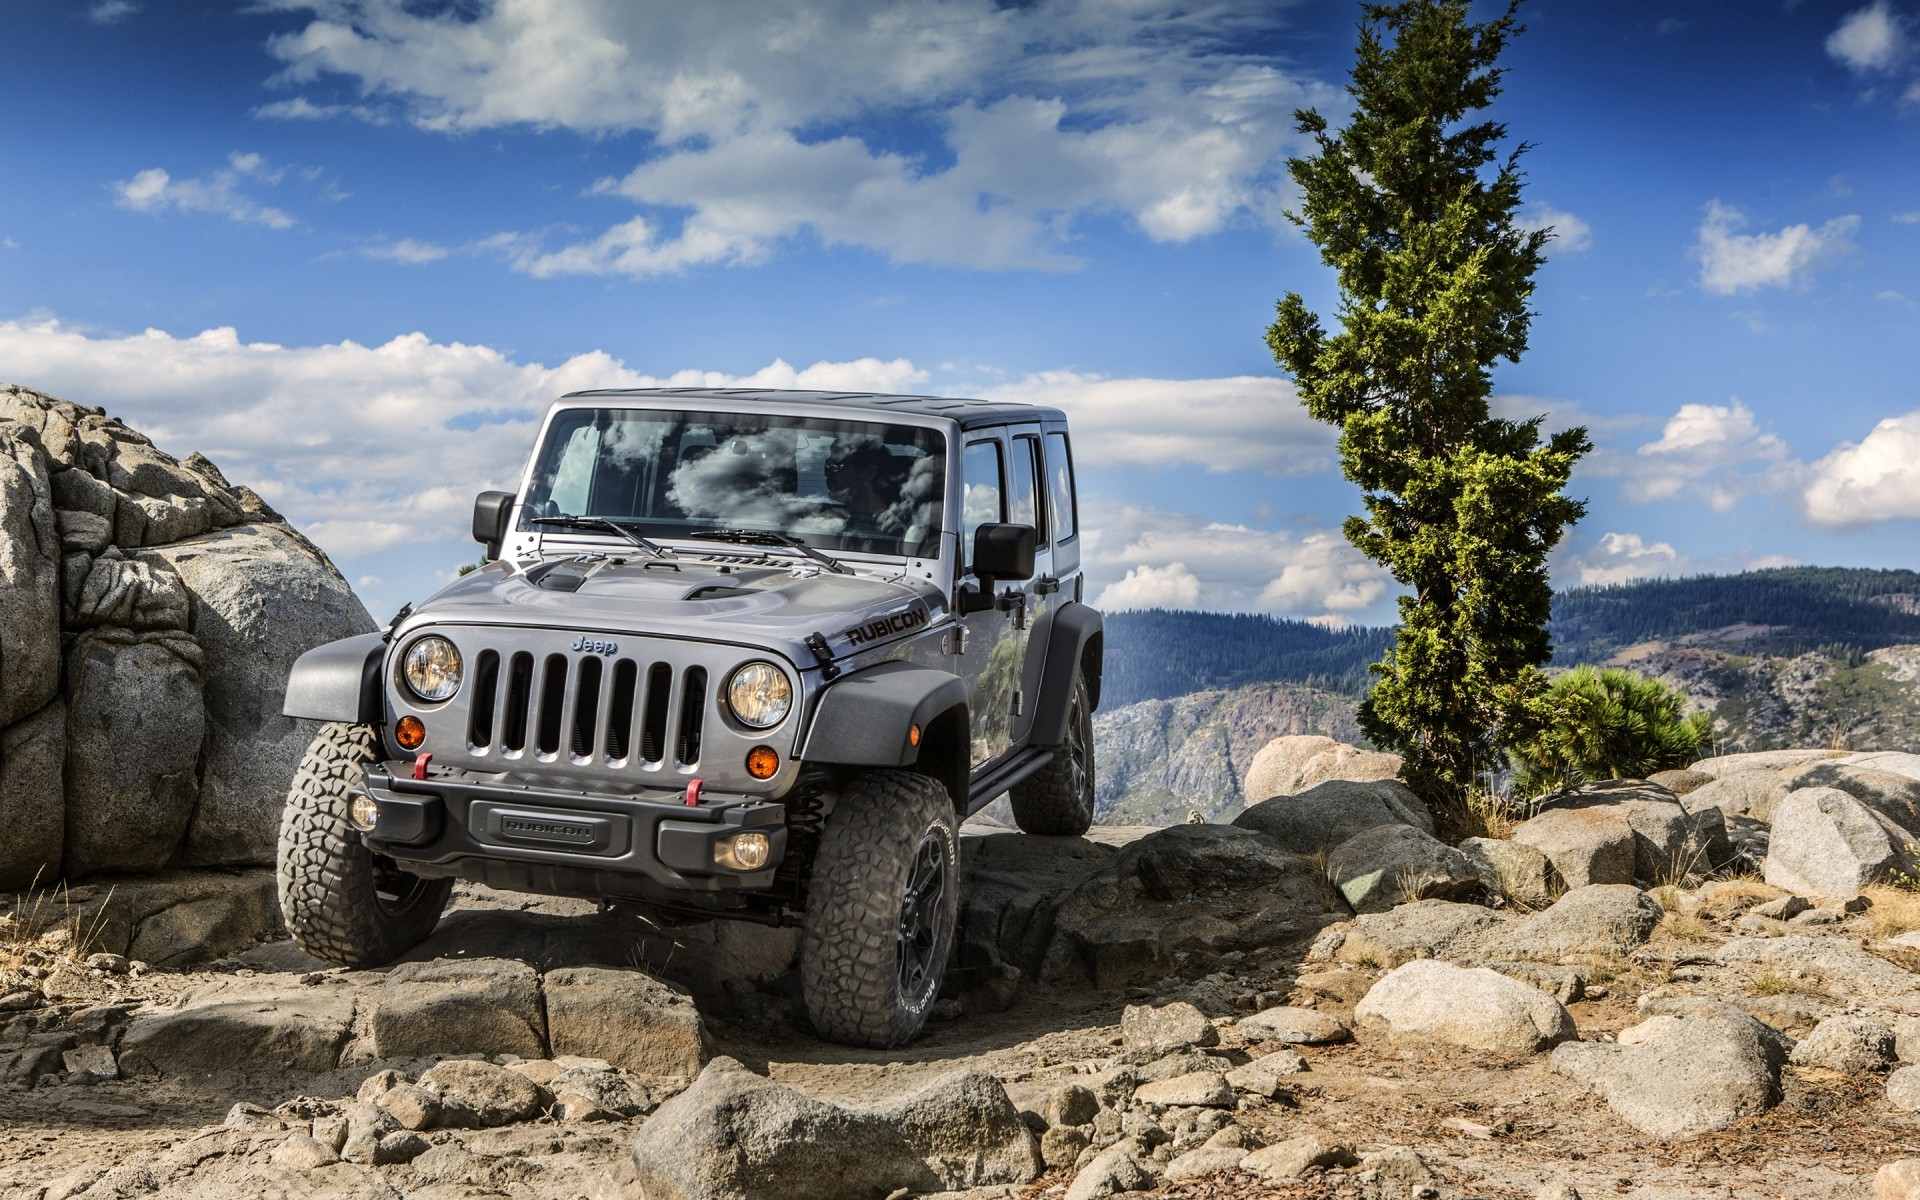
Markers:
824,654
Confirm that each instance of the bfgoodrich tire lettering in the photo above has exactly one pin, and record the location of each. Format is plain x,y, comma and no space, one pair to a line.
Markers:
1059,798
881,906
342,903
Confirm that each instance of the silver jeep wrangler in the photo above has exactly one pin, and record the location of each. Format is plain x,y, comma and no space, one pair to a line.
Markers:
747,654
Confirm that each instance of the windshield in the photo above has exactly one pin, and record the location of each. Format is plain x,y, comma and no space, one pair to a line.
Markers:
837,485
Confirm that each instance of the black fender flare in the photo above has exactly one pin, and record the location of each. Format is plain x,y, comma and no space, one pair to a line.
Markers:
866,720
339,681
1066,642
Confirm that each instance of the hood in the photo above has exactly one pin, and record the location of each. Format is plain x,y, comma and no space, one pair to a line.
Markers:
778,607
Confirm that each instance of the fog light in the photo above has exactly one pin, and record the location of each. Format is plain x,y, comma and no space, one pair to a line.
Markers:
762,762
410,733
743,852
363,812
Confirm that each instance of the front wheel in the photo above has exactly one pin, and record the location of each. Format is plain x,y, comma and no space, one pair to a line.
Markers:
881,906
343,903
1058,799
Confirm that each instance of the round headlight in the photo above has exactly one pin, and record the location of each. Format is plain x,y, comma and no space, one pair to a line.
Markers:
760,695
432,669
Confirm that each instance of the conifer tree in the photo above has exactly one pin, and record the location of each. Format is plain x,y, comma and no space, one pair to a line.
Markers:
1413,207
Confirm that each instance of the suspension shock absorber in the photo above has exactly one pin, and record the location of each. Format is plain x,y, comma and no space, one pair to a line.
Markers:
806,818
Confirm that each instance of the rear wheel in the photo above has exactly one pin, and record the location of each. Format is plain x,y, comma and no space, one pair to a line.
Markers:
881,905
343,903
1059,798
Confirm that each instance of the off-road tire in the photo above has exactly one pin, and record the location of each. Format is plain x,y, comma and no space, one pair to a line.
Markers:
1058,799
342,903
854,952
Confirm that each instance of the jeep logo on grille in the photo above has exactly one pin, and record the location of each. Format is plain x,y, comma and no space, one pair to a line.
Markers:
594,646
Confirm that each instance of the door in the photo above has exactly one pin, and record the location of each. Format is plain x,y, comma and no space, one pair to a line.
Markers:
1002,480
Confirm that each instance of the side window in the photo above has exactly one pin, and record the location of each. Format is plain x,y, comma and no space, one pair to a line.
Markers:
1066,522
983,481
1023,499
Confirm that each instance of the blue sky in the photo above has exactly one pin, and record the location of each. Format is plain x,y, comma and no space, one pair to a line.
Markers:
351,248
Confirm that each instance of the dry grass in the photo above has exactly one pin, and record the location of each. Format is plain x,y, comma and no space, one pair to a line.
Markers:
1330,893
44,921
1896,910
1668,897
1768,983
1685,928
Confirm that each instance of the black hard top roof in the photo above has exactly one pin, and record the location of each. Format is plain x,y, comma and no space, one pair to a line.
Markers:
968,413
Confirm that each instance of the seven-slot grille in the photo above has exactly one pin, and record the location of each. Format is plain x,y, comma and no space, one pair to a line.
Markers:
612,713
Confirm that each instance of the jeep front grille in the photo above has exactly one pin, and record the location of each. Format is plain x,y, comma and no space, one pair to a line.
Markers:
589,705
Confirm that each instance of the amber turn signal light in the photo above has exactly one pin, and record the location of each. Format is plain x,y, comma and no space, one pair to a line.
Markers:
762,762
410,733
913,735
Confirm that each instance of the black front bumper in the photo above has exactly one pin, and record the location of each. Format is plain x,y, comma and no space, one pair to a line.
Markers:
534,839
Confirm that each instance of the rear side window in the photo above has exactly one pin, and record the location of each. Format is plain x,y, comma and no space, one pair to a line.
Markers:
1066,522
983,482
1024,500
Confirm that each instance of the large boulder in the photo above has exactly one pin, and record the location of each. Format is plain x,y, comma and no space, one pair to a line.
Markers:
1585,845
735,1135
1904,763
631,1020
1428,1001
155,609
1583,831
1289,765
1389,865
261,596
1699,1074
1178,899
1826,843
302,1029
1602,919
135,721
1722,765
1748,794
460,1006
1891,794
1328,814
1423,929
1515,871
1834,966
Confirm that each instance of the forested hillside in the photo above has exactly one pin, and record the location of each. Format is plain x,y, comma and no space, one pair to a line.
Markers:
1840,612
1153,654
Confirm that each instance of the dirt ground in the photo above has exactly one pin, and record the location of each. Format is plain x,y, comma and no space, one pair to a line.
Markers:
1489,1126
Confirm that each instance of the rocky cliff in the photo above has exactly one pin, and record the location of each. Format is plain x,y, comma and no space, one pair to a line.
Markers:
1161,758
149,613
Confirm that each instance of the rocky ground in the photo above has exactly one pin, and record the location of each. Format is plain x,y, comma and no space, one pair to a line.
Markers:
1613,1002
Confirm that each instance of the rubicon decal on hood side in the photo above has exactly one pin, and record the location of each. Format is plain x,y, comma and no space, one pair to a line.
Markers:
882,627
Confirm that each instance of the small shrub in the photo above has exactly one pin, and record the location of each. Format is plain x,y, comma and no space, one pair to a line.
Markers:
1767,983
1687,929
1606,723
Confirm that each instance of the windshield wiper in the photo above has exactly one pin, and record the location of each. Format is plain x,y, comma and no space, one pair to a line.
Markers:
766,537
653,548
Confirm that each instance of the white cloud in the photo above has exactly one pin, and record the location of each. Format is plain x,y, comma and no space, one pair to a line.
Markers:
217,192
111,12
1714,452
407,251
1877,479
1732,262
1171,586
299,108
1621,557
1869,39
1237,423
1907,218
1013,120
1138,556
1570,233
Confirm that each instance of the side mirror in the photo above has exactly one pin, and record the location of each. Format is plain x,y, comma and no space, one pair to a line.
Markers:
1003,552
999,552
490,512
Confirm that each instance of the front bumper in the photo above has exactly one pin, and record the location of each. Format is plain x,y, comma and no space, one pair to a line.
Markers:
538,839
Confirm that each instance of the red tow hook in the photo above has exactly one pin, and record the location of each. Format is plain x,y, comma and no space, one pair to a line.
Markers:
420,765
693,794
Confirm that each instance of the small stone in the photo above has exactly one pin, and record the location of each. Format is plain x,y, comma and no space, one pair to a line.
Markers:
111,964
401,1147
1070,1105
1898,1180
304,1153
1203,1089
1060,1147
1558,1189
1903,1089
1296,1156
1850,1045
1155,1031
540,1070
250,1116
1235,1137
481,1095
1263,1075
1820,916
415,1108
1294,1026
1205,1161
1786,908
330,1130
94,1061
1115,1169
378,1084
